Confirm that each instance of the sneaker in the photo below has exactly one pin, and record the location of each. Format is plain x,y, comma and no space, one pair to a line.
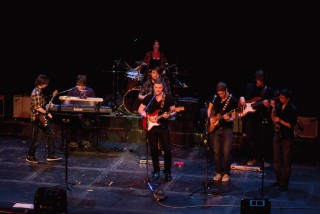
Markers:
217,177
225,178
31,159
251,162
53,158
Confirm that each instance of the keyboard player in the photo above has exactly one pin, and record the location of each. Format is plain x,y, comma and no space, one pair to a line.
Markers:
80,135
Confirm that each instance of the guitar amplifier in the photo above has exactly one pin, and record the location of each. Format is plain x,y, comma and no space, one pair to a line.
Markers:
191,108
254,206
21,106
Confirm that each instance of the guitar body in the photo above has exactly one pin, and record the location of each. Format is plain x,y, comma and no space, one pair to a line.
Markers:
249,106
147,124
213,122
42,118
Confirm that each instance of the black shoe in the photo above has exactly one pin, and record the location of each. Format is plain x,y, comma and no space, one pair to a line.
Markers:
31,159
168,177
53,158
155,175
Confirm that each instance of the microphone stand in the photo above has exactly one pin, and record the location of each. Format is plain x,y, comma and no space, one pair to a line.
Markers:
206,185
157,196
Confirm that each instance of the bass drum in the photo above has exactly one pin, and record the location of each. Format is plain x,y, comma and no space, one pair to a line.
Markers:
131,101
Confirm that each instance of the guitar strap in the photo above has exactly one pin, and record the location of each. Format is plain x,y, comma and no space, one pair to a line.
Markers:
162,101
226,104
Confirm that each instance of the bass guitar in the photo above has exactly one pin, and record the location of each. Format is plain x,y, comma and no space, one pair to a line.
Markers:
147,124
212,124
42,118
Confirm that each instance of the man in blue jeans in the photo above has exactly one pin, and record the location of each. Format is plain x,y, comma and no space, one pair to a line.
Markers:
221,113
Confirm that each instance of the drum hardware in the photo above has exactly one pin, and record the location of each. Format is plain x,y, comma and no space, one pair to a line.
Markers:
115,86
131,101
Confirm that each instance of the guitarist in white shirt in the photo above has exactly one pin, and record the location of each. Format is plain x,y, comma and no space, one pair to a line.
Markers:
41,128
221,113
162,104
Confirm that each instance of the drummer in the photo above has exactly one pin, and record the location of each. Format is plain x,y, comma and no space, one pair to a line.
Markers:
147,86
155,57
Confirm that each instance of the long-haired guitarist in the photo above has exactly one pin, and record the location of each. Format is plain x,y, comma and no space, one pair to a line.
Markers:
161,107
40,127
222,112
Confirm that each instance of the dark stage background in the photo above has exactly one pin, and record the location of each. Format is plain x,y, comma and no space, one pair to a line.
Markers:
221,44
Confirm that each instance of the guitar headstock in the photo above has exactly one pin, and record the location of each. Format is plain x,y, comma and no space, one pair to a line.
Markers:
180,108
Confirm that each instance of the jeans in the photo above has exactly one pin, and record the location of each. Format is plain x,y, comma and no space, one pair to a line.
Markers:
37,133
221,142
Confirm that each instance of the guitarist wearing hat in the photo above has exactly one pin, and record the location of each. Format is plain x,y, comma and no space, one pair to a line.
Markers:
221,113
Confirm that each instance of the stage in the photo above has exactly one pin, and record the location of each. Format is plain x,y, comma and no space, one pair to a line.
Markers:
112,176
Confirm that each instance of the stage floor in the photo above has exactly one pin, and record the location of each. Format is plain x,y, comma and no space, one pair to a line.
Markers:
111,179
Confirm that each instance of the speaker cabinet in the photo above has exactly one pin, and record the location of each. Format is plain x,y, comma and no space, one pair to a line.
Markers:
50,200
306,127
191,108
255,206
21,106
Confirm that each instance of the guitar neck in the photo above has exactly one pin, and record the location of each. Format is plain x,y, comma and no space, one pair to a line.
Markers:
161,115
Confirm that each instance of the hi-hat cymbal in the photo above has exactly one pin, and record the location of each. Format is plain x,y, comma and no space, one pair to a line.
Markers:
140,63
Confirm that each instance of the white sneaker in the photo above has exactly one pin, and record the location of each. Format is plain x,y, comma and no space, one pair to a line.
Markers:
225,178
217,177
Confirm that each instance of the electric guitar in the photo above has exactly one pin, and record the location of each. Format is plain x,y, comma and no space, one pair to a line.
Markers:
42,118
147,124
212,124
251,105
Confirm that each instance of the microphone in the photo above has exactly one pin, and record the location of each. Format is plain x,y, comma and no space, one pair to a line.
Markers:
214,98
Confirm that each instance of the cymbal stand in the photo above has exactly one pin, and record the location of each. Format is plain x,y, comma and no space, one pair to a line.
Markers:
115,87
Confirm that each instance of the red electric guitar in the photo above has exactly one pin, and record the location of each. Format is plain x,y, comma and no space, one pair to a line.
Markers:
147,124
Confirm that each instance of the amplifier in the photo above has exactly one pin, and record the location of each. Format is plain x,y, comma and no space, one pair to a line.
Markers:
21,106
256,205
191,108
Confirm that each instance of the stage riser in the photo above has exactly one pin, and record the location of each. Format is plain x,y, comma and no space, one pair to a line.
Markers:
112,129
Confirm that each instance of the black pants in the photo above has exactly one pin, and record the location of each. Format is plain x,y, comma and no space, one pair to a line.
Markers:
162,135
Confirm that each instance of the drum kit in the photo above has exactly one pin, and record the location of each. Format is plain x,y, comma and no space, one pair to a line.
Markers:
135,78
